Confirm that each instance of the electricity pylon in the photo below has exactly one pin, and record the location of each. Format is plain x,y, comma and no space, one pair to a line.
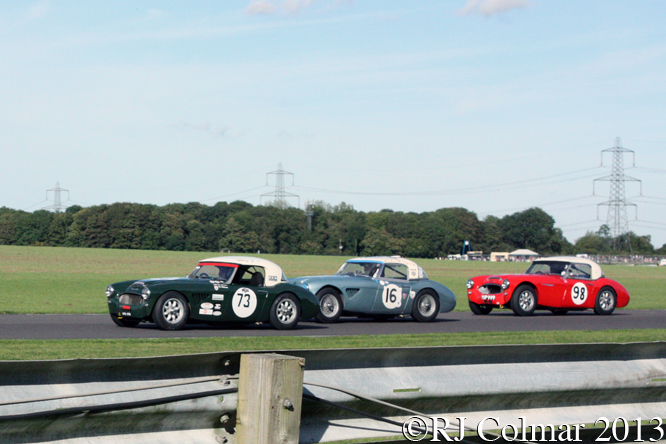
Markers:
280,194
617,202
57,206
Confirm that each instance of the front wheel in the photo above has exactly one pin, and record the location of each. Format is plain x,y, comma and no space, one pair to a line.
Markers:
480,309
285,312
426,306
330,306
524,301
122,322
171,311
606,301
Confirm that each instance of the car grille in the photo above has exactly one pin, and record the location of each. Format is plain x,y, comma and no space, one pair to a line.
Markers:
130,299
490,289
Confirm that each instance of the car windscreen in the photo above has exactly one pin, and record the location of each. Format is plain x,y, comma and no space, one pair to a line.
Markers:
216,271
359,269
547,267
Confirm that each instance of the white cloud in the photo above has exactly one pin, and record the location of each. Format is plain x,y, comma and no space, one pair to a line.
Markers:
258,7
38,10
264,7
296,5
492,7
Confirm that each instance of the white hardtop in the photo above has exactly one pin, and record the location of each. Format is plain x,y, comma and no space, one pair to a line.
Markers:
274,273
415,271
596,269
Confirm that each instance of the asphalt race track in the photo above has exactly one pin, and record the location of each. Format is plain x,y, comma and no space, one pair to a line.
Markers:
94,326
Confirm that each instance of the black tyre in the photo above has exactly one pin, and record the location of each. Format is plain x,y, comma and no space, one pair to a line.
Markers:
559,311
330,306
285,312
480,309
122,322
171,311
524,301
426,306
606,301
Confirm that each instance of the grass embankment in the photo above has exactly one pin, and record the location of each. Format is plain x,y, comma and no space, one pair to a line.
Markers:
72,280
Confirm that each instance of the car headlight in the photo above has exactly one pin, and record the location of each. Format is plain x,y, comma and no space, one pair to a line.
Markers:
145,293
505,284
109,291
470,284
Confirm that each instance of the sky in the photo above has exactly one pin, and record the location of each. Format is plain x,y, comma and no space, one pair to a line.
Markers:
495,106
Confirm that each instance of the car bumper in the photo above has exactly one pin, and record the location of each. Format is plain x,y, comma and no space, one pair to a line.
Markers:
495,299
125,310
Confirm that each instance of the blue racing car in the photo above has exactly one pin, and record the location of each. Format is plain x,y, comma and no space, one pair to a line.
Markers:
381,287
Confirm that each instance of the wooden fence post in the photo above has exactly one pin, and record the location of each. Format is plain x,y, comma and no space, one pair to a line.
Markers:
270,394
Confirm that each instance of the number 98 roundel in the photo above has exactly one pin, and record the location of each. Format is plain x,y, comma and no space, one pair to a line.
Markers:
244,302
579,293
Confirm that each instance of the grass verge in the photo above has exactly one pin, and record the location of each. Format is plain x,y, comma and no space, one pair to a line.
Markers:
15,349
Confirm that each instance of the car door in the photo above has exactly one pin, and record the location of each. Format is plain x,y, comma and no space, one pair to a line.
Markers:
247,294
578,290
215,303
393,291
550,284
209,291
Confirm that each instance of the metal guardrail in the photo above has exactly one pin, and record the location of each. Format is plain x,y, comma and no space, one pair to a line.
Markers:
192,399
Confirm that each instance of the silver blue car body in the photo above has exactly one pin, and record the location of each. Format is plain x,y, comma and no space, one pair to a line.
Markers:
382,287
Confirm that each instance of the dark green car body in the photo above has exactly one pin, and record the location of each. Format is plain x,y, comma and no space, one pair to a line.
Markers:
252,293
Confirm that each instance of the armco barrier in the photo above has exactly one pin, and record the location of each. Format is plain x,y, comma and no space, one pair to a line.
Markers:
192,399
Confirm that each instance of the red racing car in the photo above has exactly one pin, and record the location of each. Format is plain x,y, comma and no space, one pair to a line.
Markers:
558,284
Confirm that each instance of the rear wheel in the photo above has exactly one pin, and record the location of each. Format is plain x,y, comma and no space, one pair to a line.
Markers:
426,306
330,306
478,309
524,301
122,322
285,312
171,311
606,301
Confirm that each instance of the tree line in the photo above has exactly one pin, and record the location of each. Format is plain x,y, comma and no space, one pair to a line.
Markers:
241,227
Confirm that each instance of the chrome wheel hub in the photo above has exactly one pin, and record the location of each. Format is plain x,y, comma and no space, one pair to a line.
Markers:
606,300
526,300
427,305
286,311
173,311
329,305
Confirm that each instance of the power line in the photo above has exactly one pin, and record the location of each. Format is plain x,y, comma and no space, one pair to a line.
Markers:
458,190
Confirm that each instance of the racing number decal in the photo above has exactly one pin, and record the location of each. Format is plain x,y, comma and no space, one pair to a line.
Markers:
244,302
392,296
579,293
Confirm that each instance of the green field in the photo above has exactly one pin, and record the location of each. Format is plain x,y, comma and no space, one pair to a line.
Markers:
72,280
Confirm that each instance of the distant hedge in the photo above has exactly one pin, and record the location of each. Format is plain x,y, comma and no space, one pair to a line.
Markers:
241,227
